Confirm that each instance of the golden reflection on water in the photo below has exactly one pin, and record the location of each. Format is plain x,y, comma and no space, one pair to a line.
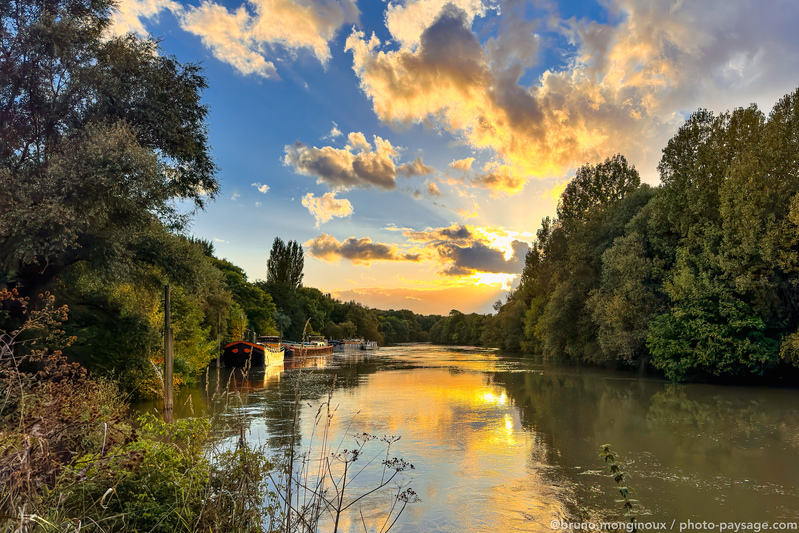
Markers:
475,464
505,445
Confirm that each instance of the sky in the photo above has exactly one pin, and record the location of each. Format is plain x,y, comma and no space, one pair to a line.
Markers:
413,147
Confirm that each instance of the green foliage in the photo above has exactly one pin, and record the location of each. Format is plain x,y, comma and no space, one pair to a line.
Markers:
458,329
118,319
158,486
698,277
99,136
594,188
250,299
709,329
565,263
285,264
610,459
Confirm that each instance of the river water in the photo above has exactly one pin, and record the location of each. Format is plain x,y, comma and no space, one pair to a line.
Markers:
502,443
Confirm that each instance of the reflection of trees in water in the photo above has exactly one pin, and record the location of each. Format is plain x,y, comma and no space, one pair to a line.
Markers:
572,409
717,419
686,446
234,399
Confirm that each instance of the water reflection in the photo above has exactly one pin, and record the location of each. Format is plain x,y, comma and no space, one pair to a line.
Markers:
505,444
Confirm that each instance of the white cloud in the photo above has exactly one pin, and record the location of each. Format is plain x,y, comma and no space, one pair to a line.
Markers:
335,132
406,21
326,207
251,36
128,14
261,188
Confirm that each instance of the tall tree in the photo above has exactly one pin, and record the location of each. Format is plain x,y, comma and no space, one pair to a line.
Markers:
285,264
97,136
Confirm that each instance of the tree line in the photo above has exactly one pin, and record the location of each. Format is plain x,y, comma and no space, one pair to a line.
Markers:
306,310
697,277
100,136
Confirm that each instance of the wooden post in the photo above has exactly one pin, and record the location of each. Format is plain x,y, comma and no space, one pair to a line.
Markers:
218,339
169,358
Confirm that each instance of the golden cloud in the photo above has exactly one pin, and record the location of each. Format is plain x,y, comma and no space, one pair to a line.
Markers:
248,35
359,251
416,168
467,250
433,190
357,165
462,164
327,207
625,86
434,235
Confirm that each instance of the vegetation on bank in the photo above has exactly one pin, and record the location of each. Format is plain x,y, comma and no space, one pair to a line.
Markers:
72,459
102,137
698,277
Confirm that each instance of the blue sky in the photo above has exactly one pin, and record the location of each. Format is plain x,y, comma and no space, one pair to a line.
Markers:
413,147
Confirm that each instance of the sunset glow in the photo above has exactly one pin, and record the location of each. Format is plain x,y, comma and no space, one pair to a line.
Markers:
414,147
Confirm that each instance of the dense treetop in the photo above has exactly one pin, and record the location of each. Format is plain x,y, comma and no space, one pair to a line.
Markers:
698,277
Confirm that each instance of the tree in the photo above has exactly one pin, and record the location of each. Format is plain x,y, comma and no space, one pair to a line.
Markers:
594,188
283,321
256,303
97,136
592,212
285,264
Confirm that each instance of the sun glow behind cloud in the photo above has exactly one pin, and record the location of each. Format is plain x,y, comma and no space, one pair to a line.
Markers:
457,113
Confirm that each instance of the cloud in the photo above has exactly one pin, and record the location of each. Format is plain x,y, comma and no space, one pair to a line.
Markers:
261,188
326,207
555,192
436,235
479,257
433,190
625,86
128,14
465,213
417,168
217,239
407,21
357,165
359,251
257,204
462,164
250,36
498,178
467,250
235,196
335,132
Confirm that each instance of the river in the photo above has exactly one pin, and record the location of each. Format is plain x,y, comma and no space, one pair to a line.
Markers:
503,443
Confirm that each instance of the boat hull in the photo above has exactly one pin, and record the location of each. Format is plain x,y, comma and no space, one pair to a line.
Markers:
308,351
243,353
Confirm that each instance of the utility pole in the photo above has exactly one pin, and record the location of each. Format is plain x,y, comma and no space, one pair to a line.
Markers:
169,358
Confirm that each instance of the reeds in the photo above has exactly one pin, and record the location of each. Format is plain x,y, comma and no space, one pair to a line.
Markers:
70,459
318,487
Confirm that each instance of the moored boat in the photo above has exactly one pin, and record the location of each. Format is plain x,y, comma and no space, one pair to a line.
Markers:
308,349
252,354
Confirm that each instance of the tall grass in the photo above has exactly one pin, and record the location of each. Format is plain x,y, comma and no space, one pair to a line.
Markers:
71,459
